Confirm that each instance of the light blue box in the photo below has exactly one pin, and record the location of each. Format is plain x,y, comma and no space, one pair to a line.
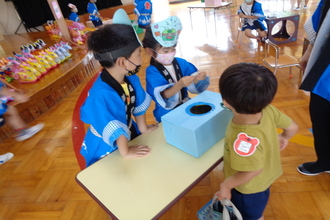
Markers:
196,133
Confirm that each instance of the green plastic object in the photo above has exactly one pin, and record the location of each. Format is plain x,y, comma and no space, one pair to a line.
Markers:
136,27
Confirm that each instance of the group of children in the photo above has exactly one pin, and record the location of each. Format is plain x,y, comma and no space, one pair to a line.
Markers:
94,15
252,145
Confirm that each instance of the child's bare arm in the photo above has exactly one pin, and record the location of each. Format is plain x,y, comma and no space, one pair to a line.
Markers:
131,151
287,133
183,82
235,180
142,125
18,96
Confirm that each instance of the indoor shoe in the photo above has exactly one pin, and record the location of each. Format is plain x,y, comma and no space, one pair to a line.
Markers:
29,132
5,157
311,169
305,7
296,9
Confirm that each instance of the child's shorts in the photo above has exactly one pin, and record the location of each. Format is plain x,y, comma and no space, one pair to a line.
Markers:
97,23
256,25
251,206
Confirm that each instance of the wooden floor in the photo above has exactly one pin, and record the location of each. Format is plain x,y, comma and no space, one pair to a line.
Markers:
39,182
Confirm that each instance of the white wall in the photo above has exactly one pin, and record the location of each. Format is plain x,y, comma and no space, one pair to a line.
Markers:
9,20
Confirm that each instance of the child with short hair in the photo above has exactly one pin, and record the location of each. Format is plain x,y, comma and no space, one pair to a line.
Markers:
116,95
252,160
169,78
253,15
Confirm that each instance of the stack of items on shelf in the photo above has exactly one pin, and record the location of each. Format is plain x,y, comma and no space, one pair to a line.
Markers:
34,61
77,30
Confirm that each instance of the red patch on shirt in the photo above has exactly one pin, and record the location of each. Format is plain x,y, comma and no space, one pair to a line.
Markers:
245,145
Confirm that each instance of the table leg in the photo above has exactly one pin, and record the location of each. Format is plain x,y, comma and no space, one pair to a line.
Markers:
191,23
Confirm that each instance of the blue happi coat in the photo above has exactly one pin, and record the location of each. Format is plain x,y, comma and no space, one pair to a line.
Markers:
156,84
105,111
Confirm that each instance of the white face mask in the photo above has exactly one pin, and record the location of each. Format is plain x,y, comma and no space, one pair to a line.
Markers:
248,1
166,58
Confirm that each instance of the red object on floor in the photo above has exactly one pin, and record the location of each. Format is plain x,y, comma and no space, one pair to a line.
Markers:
78,129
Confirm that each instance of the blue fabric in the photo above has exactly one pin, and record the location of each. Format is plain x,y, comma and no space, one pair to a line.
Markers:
254,27
3,107
251,206
97,23
143,10
322,87
155,80
92,10
74,17
317,15
257,11
105,111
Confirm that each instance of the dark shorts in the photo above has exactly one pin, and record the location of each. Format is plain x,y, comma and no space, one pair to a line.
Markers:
256,25
251,206
97,23
3,108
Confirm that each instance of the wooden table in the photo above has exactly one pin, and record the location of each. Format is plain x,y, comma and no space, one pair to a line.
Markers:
282,33
145,188
214,8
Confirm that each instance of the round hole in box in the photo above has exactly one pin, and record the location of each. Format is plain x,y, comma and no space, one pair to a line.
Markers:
200,109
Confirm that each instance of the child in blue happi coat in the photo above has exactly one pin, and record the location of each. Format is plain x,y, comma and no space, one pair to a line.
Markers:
169,78
117,94
143,10
73,15
253,15
94,15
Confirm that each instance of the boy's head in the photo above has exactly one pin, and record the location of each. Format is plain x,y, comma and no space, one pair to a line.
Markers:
247,87
73,8
111,42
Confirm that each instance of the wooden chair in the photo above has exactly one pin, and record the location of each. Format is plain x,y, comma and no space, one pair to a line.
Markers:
239,32
274,60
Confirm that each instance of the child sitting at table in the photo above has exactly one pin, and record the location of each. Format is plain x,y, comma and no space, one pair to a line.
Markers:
117,94
252,160
169,78
251,12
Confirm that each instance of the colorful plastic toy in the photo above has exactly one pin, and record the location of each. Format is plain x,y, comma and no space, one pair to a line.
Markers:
20,73
41,60
49,59
53,55
37,66
29,69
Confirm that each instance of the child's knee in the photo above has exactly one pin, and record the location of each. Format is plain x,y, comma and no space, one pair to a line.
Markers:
263,34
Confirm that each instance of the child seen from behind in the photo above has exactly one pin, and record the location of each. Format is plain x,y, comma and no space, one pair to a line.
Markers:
252,160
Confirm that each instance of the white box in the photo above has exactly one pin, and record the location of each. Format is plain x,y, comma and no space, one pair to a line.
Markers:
213,2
